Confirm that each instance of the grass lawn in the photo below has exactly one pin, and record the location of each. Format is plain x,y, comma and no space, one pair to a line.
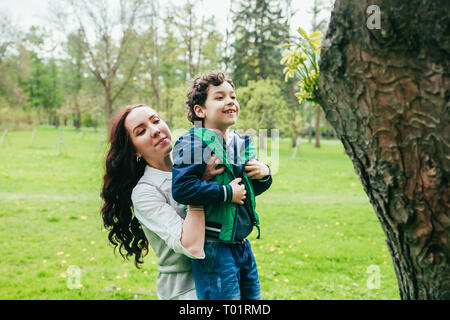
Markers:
320,238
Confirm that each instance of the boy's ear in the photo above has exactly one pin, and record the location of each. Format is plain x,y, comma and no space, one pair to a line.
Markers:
199,112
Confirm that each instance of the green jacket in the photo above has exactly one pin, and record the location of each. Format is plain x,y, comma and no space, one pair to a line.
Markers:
221,216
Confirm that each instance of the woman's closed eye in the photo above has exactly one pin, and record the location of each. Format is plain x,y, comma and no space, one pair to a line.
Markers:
141,132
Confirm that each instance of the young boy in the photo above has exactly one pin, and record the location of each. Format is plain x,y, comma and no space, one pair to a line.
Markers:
229,269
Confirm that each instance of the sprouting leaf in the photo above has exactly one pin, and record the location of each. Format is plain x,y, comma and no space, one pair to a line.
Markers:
284,59
315,35
315,44
302,32
301,60
284,46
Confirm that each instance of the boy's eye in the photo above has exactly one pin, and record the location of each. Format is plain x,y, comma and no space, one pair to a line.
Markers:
219,97
156,120
141,132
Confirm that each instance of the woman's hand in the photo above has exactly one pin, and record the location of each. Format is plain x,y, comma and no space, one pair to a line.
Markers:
256,170
211,171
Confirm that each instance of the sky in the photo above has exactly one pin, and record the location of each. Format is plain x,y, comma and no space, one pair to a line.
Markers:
25,13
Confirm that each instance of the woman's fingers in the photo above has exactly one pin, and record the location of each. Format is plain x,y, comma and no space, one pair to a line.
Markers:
251,173
218,171
212,159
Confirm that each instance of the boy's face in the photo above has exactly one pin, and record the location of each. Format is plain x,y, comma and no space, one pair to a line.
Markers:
221,108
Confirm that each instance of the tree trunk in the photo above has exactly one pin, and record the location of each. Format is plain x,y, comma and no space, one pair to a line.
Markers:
310,124
77,113
189,43
386,93
294,102
328,130
77,120
108,103
318,127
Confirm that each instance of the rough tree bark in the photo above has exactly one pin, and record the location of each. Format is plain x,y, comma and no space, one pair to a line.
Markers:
386,93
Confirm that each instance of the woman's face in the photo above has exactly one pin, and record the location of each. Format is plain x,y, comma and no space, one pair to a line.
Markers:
149,133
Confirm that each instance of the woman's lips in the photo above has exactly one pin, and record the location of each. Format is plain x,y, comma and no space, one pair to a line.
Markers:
163,140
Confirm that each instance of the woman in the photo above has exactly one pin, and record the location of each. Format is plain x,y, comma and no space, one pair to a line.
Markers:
138,205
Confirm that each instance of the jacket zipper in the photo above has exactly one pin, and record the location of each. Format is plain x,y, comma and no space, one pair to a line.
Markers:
252,212
233,231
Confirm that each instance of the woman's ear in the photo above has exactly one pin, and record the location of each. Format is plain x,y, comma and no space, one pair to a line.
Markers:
199,112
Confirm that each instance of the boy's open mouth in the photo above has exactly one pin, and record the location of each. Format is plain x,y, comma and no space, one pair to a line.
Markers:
230,111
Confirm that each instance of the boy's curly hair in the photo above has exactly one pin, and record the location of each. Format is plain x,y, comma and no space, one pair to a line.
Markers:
198,90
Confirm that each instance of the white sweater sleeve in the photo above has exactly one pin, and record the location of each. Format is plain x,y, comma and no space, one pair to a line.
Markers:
152,210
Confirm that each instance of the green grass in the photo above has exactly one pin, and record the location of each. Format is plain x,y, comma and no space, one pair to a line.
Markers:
319,233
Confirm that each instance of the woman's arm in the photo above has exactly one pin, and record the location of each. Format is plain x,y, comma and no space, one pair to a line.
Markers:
193,231
156,214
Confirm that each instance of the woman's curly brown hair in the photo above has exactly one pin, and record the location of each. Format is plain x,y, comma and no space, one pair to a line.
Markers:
198,91
122,174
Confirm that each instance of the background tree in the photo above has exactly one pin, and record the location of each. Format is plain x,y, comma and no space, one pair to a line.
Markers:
8,36
317,24
295,112
14,66
258,27
73,75
302,62
191,28
257,101
173,69
109,34
386,92
43,84
151,59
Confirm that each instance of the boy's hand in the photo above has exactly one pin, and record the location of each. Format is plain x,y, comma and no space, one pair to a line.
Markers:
211,171
238,191
256,170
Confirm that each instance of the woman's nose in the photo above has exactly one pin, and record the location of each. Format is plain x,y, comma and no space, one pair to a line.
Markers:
154,130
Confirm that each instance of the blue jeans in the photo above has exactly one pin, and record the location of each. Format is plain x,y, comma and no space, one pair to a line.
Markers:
228,272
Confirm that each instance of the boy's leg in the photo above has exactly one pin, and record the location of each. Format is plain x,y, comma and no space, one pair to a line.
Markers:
217,276
249,279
